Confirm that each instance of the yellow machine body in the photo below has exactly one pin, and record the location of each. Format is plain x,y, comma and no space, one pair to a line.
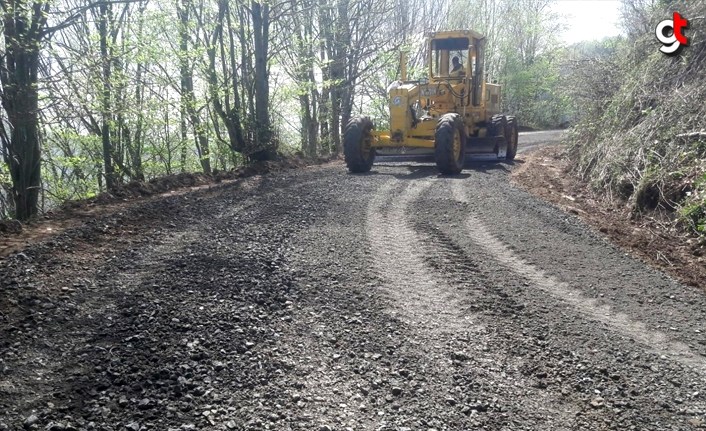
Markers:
416,106
453,114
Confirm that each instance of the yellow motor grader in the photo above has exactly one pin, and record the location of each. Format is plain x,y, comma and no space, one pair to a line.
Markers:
453,112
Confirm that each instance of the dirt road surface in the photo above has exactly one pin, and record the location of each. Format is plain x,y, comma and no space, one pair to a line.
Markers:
320,300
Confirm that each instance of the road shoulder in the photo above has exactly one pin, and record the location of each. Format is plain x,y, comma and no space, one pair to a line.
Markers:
653,238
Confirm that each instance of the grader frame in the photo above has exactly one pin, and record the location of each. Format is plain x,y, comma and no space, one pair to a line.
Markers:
453,113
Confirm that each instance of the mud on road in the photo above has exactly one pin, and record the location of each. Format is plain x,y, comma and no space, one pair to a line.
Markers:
320,300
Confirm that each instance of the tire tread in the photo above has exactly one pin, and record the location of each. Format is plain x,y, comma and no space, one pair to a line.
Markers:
446,161
353,136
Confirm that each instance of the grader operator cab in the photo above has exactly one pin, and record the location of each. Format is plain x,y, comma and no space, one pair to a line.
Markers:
453,113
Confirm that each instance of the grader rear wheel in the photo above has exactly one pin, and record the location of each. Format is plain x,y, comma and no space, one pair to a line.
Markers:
358,144
511,136
497,125
450,144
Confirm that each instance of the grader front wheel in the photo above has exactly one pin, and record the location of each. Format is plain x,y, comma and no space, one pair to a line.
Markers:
358,144
450,144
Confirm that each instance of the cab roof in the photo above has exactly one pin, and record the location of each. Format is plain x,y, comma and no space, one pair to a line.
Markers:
451,34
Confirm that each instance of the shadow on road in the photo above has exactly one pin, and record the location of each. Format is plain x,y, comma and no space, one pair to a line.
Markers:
414,172
486,167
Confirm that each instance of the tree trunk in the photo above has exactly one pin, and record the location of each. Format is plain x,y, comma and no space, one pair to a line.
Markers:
306,80
339,64
313,127
19,65
230,115
306,120
264,149
188,100
346,103
183,142
24,153
105,99
237,109
136,150
325,43
136,153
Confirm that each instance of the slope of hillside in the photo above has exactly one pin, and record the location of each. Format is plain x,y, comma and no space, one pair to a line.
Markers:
642,137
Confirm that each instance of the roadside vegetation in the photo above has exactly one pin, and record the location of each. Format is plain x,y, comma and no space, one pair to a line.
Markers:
641,131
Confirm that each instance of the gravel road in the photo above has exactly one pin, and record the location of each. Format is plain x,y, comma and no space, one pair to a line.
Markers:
319,300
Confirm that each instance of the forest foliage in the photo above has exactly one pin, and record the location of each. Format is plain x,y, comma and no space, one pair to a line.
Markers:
97,93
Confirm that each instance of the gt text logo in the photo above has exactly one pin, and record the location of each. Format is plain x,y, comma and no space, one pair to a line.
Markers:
671,33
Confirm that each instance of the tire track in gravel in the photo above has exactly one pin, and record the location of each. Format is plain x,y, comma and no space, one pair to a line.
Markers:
498,375
575,372
361,362
421,298
656,341
426,277
438,326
